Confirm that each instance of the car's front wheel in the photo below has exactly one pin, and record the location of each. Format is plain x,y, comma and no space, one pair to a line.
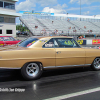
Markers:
96,64
31,71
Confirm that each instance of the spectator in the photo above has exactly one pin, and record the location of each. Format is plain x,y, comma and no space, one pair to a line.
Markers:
85,27
69,27
79,28
62,33
55,31
95,36
44,32
48,34
73,27
68,33
74,30
68,20
77,37
36,26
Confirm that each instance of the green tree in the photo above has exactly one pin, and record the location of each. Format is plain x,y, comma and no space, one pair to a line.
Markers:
21,28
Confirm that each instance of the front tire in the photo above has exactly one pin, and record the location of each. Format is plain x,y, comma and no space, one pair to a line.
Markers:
96,64
31,71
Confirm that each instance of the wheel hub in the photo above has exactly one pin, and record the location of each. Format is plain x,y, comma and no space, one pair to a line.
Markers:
32,69
97,63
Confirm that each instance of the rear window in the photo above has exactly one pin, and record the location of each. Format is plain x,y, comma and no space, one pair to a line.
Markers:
28,42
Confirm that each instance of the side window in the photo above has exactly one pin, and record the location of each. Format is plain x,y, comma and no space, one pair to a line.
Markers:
1,39
65,43
49,44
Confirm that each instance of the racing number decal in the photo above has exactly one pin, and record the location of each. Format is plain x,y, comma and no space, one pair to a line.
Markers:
43,40
68,43
33,42
80,41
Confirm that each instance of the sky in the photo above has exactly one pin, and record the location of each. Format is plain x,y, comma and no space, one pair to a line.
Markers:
88,7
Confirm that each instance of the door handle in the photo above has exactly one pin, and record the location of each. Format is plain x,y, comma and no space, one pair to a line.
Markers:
58,52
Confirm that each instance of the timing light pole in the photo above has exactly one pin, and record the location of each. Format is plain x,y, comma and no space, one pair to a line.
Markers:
80,7
80,10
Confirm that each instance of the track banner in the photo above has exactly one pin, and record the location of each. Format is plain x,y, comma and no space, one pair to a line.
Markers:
96,41
81,42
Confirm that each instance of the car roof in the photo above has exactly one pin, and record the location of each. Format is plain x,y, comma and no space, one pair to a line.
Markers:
40,37
40,44
5,36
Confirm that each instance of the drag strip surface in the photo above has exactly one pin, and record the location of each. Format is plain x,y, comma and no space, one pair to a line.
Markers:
52,84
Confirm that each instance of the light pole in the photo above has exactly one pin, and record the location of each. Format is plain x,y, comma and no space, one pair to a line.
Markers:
80,10
94,18
67,16
80,7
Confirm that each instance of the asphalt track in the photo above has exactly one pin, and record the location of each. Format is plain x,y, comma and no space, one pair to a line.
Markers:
63,84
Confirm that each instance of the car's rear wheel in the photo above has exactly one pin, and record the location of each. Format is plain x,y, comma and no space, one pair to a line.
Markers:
96,64
31,71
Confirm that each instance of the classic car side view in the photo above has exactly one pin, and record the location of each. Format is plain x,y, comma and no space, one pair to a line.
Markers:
8,40
35,54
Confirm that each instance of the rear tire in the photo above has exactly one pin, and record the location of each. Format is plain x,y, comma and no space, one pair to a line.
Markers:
31,71
96,64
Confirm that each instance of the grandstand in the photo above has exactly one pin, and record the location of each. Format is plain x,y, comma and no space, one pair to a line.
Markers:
61,23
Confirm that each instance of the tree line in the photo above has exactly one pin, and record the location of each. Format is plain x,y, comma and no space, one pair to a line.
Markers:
21,28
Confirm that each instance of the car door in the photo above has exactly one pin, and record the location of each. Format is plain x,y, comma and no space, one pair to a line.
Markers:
48,52
10,42
68,52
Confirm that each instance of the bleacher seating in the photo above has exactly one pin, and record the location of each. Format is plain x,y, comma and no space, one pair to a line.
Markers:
68,27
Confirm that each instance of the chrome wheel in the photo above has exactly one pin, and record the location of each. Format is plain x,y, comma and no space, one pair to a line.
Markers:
96,64
32,69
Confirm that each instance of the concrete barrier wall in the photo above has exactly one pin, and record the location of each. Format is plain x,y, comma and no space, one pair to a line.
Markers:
96,41
89,42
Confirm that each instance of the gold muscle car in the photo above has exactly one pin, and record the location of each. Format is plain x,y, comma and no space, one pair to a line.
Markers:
35,54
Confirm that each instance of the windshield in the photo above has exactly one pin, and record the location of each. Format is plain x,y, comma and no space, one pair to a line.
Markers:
7,39
27,42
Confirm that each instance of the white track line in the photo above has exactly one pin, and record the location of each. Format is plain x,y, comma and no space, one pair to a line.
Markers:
75,94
